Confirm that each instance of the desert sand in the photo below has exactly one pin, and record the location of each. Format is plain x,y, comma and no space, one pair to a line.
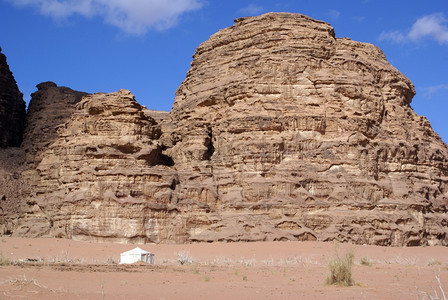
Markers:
60,268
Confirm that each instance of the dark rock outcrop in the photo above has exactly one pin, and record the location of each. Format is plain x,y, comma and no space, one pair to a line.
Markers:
12,108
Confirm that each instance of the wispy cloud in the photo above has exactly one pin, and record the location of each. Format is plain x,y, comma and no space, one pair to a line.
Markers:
394,36
432,26
430,90
251,10
131,16
359,18
334,14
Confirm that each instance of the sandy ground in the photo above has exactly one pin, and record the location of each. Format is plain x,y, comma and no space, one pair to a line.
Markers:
56,269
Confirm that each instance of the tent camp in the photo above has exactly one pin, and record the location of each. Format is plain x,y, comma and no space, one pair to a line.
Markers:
135,255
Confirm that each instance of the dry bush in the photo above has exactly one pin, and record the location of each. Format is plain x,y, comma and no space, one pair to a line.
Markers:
341,269
4,261
111,261
64,258
365,261
434,262
435,295
249,262
184,258
222,261
21,281
410,261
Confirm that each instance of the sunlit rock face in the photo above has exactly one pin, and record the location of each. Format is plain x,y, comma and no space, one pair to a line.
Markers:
280,131
290,133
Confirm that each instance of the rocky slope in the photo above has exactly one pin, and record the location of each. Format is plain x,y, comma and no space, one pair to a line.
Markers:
279,132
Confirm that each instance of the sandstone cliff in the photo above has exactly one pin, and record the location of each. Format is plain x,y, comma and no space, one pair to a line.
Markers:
12,108
279,132
305,136
12,121
49,107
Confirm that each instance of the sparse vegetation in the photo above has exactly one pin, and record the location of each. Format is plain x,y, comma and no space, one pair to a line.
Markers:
247,262
206,278
21,281
195,269
111,261
4,261
184,258
341,269
410,261
434,262
435,295
102,290
271,262
245,278
365,261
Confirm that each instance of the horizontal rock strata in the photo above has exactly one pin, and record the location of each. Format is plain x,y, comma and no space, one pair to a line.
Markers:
280,131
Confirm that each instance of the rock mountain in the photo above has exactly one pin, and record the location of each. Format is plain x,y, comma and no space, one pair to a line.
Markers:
280,131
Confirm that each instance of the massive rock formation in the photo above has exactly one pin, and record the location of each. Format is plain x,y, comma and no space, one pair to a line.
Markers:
302,135
12,108
12,121
49,107
279,132
102,176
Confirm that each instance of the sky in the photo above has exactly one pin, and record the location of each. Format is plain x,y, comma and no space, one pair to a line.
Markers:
146,46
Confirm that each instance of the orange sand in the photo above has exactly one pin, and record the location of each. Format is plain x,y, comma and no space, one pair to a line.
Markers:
263,270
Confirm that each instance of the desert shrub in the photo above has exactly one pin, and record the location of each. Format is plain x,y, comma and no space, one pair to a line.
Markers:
341,269
4,261
365,261
111,261
435,295
195,269
434,262
184,258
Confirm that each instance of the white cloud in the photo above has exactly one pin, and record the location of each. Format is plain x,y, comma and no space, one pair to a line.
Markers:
431,26
395,36
430,90
131,16
333,14
251,10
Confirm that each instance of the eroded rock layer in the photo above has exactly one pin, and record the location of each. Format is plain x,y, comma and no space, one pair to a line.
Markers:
302,135
279,132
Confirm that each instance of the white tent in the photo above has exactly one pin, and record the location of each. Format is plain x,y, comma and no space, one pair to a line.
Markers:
136,255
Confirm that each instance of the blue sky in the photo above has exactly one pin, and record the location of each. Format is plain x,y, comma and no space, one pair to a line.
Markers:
146,45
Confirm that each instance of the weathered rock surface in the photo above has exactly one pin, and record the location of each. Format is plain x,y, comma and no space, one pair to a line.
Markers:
12,122
287,132
49,107
12,108
279,132
103,177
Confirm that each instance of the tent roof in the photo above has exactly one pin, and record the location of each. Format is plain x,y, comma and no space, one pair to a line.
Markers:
136,250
